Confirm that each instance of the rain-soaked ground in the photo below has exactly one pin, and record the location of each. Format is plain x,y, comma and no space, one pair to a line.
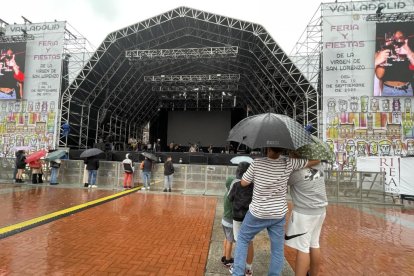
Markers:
155,233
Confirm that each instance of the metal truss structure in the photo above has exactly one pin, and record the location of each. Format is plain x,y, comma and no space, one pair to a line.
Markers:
193,78
109,96
307,56
196,88
16,38
76,52
182,53
391,17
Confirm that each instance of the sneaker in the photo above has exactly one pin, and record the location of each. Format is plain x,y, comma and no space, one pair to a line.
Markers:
229,263
148,187
86,185
231,269
249,272
223,259
94,186
143,188
164,190
169,190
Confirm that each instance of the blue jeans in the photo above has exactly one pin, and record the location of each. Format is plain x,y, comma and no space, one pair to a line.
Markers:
146,179
92,177
168,179
393,91
249,228
53,175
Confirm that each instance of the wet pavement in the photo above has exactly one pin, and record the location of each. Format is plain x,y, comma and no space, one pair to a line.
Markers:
22,202
141,234
155,233
366,240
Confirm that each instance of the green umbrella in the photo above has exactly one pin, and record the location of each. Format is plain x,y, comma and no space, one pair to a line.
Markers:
317,150
55,155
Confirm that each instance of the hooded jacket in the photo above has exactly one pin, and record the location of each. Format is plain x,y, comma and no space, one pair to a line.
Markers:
128,164
241,197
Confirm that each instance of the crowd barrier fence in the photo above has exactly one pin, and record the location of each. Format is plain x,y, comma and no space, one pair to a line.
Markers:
341,186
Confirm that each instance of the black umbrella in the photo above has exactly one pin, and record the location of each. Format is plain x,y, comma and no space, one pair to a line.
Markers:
90,152
149,156
270,130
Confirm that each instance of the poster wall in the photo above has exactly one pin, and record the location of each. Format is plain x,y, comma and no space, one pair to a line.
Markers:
358,118
30,121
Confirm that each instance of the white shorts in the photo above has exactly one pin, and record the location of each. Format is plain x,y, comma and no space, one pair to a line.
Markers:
236,228
303,231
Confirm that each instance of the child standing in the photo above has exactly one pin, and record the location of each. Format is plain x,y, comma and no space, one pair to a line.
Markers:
227,223
241,197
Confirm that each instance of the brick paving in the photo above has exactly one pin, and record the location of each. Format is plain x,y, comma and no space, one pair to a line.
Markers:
139,234
147,233
356,242
20,203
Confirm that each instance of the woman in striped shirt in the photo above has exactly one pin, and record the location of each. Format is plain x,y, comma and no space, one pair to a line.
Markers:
268,207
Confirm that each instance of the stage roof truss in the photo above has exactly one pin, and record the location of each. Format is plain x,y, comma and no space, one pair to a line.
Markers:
109,86
205,78
182,53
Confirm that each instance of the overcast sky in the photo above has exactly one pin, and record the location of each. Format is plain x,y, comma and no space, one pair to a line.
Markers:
285,20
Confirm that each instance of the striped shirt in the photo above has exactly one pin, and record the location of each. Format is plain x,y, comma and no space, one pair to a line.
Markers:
270,178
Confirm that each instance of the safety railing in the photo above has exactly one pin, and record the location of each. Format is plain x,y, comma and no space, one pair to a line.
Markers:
341,186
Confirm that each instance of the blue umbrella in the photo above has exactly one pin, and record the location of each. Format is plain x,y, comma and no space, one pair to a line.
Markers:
238,159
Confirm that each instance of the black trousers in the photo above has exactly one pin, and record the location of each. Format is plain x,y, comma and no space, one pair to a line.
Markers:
37,178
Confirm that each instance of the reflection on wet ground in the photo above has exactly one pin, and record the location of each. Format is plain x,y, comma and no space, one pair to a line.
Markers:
366,240
142,233
22,202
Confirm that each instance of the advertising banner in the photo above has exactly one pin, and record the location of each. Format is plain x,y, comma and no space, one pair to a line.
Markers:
12,68
359,118
29,119
398,172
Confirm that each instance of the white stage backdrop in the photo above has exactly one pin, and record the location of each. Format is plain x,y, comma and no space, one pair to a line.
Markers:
398,172
32,121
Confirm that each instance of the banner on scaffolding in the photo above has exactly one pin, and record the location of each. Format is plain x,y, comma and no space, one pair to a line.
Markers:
30,118
397,170
12,68
358,120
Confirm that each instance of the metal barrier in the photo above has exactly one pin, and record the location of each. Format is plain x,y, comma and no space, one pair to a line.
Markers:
341,186
357,187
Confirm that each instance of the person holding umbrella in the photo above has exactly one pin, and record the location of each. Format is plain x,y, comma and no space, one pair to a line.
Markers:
92,166
37,172
270,174
54,157
268,207
54,171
